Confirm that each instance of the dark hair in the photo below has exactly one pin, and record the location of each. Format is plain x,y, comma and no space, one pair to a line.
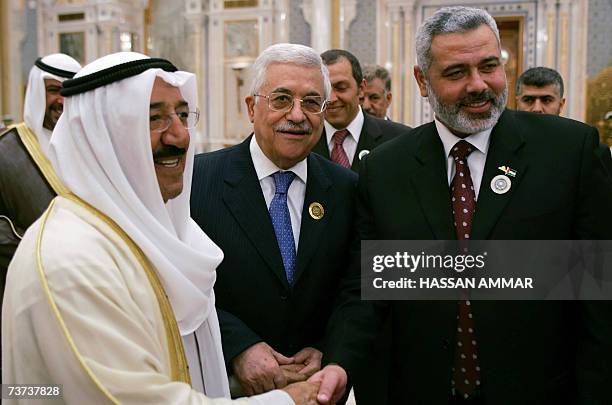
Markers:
333,55
371,72
540,77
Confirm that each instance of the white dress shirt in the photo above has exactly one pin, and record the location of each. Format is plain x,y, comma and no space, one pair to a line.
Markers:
351,141
475,160
265,168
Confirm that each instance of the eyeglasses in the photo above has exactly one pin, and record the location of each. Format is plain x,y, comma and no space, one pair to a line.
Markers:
161,122
283,102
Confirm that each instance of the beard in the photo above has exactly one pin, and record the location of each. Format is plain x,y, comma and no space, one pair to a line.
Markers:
465,122
52,114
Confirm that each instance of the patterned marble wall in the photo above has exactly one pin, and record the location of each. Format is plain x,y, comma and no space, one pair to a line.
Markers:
299,30
168,33
600,32
362,32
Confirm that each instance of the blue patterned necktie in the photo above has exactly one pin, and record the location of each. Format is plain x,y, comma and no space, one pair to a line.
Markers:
281,221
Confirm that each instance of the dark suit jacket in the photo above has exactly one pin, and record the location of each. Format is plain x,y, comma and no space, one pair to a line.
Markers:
375,132
255,301
529,352
606,157
24,195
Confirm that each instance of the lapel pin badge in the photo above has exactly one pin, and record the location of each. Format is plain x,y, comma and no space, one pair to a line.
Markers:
363,153
316,210
508,171
501,184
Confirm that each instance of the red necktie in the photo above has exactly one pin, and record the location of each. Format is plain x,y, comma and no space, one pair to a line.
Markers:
466,372
338,154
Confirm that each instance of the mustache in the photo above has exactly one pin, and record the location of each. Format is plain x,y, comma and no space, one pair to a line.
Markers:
477,98
169,151
56,107
293,127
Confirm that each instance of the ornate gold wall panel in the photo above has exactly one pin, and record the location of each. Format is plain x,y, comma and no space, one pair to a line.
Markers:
599,104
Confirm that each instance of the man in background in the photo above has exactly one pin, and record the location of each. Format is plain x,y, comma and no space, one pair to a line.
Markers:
377,91
540,90
350,134
27,180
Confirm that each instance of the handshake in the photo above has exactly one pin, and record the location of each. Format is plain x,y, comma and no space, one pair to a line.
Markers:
261,369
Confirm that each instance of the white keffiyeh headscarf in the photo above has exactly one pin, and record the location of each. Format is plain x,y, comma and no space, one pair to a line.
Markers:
35,98
101,150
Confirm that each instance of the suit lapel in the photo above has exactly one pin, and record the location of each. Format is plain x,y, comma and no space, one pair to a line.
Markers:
243,197
504,148
318,190
430,182
321,147
369,138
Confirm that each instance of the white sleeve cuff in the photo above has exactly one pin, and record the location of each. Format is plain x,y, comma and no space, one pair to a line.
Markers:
276,397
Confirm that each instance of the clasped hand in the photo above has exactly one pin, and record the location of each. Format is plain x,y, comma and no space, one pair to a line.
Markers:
261,369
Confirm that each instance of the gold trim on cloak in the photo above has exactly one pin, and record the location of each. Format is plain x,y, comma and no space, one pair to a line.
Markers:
12,226
179,368
30,141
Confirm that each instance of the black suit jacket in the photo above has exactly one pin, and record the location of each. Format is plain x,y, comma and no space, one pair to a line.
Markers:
529,352
606,157
254,300
375,132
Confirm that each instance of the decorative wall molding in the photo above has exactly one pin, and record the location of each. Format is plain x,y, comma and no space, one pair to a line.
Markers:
101,22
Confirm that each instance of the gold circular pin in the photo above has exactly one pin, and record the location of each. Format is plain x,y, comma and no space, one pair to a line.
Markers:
316,210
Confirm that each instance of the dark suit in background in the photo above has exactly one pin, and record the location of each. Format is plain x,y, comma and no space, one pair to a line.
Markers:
254,300
606,157
529,352
375,132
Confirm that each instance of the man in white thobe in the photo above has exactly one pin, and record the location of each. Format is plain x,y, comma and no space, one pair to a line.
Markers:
110,293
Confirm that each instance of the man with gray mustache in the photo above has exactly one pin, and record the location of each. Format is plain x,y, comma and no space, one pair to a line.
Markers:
283,217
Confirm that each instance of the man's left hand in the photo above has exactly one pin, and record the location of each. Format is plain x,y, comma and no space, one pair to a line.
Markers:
310,358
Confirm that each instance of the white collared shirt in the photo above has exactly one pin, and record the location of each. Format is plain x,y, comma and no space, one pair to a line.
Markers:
265,168
351,141
475,160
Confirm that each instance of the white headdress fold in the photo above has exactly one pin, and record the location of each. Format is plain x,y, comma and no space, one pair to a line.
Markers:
58,67
101,150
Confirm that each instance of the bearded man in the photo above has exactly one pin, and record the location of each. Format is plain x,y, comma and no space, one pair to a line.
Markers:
445,182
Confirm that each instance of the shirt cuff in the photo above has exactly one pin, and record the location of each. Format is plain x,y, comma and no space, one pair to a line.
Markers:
276,397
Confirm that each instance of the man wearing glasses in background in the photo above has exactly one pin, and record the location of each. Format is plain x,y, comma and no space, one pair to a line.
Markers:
283,218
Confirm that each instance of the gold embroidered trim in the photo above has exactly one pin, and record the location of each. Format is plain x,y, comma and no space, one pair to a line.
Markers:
12,226
55,309
31,143
7,129
178,362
